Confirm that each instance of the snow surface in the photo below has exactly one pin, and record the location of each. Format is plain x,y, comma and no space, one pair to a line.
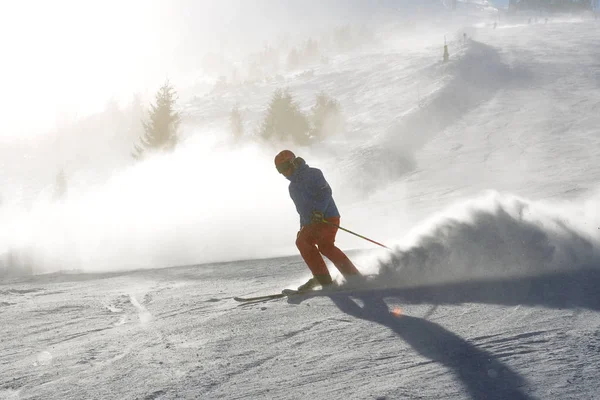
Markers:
481,173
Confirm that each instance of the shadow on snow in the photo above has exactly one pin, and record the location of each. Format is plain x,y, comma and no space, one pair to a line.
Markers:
482,374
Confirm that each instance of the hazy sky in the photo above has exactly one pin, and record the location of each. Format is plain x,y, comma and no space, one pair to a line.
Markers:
65,58
69,56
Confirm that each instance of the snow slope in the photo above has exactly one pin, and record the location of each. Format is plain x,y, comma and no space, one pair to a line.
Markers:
482,175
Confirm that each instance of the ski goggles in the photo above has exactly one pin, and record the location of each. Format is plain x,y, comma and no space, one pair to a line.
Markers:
285,166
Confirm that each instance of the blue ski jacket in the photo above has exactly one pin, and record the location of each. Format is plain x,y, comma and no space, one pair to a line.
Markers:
310,192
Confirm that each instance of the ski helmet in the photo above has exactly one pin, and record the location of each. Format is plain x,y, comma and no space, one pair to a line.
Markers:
284,160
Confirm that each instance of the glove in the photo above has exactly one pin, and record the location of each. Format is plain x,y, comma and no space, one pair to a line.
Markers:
317,217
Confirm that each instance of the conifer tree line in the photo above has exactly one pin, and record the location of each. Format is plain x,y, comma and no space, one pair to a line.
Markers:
552,5
285,121
286,55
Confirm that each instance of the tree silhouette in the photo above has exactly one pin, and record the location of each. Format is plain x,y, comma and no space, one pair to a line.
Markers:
60,186
284,120
293,59
235,122
160,132
325,116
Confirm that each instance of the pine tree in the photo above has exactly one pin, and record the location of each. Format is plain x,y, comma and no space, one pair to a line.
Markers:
311,50
136,116
325,116
160,132
235,122
293,59
284,120
60,185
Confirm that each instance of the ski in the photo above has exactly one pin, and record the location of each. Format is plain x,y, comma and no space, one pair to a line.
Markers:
292,292
284,293
259,298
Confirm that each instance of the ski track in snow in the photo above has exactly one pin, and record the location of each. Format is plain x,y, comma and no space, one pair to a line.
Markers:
493,298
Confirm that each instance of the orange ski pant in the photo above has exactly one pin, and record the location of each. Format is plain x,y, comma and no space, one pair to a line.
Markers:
316,239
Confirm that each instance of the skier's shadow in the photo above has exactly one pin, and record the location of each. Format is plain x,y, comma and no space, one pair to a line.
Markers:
483,375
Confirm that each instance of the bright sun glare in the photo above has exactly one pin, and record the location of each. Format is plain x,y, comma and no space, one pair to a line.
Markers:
65,58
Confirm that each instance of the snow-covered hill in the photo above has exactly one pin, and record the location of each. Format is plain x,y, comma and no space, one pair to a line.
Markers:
480,173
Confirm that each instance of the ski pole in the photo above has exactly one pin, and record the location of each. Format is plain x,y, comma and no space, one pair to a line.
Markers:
356,234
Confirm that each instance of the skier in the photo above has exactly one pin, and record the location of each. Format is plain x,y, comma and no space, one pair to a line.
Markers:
319,219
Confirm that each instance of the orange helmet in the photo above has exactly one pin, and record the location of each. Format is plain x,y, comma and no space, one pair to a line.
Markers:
284,160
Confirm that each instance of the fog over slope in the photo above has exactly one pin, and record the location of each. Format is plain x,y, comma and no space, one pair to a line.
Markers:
420,136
